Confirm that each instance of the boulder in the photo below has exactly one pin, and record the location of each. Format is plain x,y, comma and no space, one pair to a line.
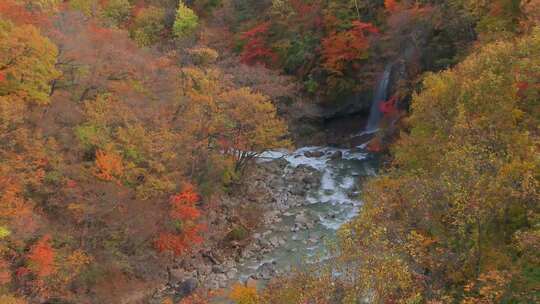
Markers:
301,219
218,269
337,155
231,273
187,287
309,180
266,271
222,280
274,241
178,275
298,189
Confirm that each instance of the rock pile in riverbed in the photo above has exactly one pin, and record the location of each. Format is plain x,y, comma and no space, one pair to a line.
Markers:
274,186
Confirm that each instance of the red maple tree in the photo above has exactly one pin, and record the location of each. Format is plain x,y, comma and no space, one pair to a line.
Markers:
255,50
389,106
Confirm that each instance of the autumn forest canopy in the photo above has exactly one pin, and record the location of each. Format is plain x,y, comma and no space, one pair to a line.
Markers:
135,138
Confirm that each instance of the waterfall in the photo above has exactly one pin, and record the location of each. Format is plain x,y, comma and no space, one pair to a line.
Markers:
381,94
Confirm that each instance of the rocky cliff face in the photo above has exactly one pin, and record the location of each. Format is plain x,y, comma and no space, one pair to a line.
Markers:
324,122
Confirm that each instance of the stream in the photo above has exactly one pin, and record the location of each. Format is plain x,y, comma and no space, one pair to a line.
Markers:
303,233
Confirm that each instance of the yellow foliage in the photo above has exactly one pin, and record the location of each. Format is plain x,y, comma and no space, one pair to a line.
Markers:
28,64
244,295
7,299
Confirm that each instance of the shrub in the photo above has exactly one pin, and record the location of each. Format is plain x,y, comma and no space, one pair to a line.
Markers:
87,7
186,21
117,11
238,233
203,55
148,26
244,295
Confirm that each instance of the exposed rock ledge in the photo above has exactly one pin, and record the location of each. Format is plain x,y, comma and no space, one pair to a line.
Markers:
274,187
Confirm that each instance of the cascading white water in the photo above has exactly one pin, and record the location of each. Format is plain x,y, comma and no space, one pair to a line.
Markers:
381,94
329,206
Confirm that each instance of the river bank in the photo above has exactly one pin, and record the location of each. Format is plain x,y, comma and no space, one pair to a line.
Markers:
298,201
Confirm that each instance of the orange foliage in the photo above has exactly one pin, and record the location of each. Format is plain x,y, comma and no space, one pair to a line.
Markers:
180,243
109,165
99,33
391,5
183,204
16,13
5,275
41,257
341,48
14,208
183,209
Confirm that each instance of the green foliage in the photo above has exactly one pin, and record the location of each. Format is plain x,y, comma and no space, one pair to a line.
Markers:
238,233
92,136
205,8
495,19
43,5
148,26
53,177
311,85
117,11
87,7
300,52
186,21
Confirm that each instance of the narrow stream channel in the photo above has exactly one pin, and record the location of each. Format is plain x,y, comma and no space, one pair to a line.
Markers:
324,209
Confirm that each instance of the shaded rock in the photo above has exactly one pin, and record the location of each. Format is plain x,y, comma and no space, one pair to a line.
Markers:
222,280
337,155
231,273
298,189
218,269
187,287
274,241
309,180
177,275
266,271
301,219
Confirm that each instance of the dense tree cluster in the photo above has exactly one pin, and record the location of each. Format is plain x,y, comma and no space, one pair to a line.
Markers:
324,45
101,141
455,217
123,123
